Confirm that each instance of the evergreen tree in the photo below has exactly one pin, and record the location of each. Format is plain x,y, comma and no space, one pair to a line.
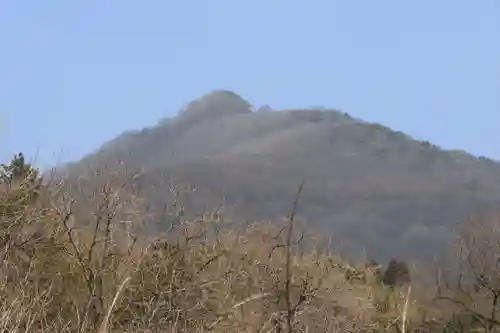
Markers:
396,274
20,184
18,171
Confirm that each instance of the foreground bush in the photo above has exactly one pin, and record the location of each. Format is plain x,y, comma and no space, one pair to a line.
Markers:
59,274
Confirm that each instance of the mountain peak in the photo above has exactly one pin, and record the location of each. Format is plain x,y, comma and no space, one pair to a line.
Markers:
216,104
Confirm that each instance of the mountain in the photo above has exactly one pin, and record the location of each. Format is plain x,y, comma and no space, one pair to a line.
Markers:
368,186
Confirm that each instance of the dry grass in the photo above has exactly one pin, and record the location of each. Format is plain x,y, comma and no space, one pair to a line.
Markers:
59,276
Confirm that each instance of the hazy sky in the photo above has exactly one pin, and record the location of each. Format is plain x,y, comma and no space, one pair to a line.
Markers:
74,74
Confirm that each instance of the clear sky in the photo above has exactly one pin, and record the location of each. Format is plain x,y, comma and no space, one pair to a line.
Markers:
74,74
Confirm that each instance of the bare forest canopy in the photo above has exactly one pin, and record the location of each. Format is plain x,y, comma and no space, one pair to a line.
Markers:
366,185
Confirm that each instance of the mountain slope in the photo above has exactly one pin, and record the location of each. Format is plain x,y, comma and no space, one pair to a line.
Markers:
370,186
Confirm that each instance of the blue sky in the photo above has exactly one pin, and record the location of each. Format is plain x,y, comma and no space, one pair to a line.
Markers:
74,74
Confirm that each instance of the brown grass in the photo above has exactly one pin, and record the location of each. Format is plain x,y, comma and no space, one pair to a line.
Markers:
59,275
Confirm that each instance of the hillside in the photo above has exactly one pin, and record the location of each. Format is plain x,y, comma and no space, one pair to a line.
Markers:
367,185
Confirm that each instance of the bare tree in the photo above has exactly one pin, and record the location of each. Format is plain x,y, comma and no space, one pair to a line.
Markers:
473,284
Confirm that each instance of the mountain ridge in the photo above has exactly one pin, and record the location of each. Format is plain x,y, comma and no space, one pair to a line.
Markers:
364,181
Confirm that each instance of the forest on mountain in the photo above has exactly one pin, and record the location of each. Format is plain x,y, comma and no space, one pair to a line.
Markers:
368,187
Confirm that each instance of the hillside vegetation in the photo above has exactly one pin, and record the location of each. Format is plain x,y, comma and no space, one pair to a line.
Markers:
64,269
371,188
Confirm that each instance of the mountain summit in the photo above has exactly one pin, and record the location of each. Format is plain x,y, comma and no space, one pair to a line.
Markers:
216,104
368,185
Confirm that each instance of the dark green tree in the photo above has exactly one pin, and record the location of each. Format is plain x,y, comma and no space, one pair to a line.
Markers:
20,184
396,274
18,171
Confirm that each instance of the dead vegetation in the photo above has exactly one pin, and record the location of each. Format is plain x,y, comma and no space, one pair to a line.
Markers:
59,274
